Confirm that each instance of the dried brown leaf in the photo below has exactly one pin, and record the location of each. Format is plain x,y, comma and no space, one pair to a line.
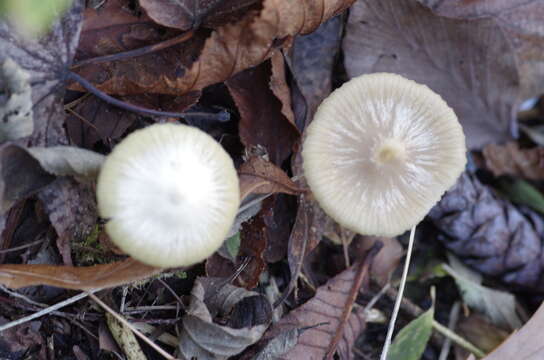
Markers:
258,176
77,278
46,60
471,64
280,88
509,159
524,344
262,121
325,309
521,20
491,235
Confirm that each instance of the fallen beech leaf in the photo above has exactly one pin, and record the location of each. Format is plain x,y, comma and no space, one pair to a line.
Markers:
76,278
469,63
258,176
190,14
261,116
324,309
524,344
246,316
16,111
521,20
46,60
491,235
278,85
509,159
480,332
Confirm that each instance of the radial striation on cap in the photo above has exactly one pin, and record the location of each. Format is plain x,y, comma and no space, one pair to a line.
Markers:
170,195
380,152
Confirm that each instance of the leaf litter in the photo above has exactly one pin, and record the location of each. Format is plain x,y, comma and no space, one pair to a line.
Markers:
274,61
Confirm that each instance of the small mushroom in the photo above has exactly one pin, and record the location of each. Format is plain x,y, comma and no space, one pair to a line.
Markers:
170,195
380,152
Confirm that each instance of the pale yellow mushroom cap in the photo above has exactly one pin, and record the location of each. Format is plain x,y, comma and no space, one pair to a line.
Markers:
380,152
170,194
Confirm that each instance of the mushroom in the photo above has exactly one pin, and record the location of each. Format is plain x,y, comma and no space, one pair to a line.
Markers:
379,153
169,193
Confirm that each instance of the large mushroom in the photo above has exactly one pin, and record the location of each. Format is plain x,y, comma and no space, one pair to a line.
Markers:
379,153
169,194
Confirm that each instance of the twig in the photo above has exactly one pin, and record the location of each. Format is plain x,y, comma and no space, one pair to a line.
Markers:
362,272
48,310
22,246
399,296
131,327
220,116
454,316
136,52
457,339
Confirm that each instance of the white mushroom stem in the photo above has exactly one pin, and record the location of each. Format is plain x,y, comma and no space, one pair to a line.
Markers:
400,293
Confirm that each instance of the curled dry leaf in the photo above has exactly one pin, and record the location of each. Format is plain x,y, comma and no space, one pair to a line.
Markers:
77,278
509,159
46,60
525,343
229,50
491,235
258,176
469,63
521,20
222,320
322,315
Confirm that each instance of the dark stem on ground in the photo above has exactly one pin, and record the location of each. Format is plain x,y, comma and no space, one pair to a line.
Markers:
220,116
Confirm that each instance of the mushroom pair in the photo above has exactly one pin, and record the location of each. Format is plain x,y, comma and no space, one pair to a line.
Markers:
378,155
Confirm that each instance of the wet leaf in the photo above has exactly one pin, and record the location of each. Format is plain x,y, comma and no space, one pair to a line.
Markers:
521,20
411,341
204,338
16,111
469,63
509,159
190,14
258,176
324,309
525,343
499,306
46,60
76,278
261,117
491,235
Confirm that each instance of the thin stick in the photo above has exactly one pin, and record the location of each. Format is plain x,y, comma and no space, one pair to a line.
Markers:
457,339
220,116
131,327
399,296
47,310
